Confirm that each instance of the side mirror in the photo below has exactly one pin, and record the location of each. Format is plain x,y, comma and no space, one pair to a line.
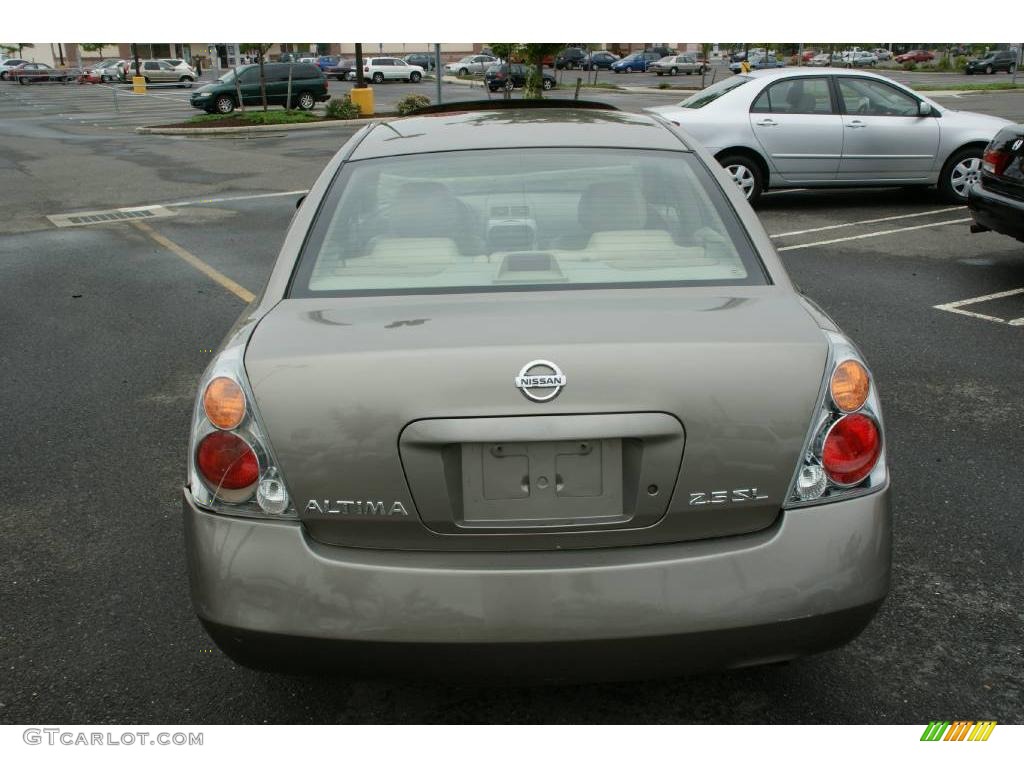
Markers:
924,108
299,201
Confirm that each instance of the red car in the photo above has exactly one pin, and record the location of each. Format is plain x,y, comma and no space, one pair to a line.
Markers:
915,55
40,73
809,54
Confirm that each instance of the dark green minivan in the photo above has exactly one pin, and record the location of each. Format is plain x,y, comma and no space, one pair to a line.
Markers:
308,86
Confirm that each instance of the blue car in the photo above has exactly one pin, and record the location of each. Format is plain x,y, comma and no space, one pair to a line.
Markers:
327,61
757,62
635,62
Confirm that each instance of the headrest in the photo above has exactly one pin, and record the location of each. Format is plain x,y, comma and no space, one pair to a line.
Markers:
612,206
424,209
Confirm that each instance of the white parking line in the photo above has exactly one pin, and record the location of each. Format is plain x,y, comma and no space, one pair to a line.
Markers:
868,221
954,306
871,234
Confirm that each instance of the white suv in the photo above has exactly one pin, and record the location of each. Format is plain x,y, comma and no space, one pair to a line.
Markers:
383,68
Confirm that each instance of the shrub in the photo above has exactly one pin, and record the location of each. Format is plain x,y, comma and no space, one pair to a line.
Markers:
961,63
341,109
411,102
909,66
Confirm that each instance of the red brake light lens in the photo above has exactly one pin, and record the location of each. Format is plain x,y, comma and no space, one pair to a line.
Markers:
851,449
226,461
995,161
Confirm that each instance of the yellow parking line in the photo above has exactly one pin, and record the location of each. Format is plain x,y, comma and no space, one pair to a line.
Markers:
218,277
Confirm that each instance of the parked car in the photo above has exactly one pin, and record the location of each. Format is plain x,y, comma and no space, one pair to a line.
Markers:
159,71
860,59
571,58
380,68
916,55
425,60
758,62
105,71
882,54
529,514
993,61
808,54
687,63
600,60
476,64
635,62
509,76
786,129
997,202
8,64
344,69
661,50
32,72
308,86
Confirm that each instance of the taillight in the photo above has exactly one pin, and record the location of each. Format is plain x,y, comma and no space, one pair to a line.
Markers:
995,161
850,449
227,461
232,469
844,453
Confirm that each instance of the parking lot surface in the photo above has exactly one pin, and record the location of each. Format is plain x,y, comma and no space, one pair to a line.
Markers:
106,327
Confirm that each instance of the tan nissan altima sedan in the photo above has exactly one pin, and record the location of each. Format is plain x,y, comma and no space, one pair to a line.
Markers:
529,395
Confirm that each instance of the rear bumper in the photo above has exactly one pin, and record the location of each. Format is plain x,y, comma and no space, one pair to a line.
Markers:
996,212
271,597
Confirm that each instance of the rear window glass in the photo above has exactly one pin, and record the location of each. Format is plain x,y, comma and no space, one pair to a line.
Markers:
524,219
712,92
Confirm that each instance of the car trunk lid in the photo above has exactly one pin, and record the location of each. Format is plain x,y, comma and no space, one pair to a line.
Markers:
398,422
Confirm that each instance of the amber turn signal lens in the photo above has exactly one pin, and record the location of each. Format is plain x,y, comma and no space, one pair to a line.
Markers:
850,385
224,403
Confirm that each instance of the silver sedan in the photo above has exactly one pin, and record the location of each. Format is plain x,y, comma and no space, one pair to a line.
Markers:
834,128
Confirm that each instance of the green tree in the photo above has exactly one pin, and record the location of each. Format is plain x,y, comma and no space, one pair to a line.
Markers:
261,49
96,48
505,51
535,53
705,54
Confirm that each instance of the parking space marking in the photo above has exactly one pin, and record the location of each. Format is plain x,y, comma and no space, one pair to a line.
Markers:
232,198
217,276
868,221
871,234
955,306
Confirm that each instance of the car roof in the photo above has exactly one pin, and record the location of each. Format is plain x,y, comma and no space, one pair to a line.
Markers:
490,129
777,74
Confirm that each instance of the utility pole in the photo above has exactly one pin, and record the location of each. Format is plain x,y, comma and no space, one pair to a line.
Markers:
360,82
1020,60
437,69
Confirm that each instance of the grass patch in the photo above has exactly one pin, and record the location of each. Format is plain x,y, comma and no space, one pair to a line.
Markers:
970,87
258,117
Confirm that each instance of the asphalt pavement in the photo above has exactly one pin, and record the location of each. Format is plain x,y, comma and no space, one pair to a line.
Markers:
104,332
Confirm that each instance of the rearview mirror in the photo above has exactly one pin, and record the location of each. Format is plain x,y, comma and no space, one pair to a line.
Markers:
924,108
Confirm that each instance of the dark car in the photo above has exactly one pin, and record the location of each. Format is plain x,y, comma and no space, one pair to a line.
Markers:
600,60
997,203
636,62
425,60
571,58
343,69
308,86
661,50
509,76
993,61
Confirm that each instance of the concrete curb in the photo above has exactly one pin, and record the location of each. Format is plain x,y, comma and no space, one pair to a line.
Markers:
239,129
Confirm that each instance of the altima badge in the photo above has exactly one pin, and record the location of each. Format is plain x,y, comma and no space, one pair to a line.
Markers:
540,380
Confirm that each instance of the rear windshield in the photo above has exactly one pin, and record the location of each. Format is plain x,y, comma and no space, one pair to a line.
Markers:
524,219
712,92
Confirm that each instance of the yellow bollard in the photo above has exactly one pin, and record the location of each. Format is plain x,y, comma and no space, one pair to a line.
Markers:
138,85
363,98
